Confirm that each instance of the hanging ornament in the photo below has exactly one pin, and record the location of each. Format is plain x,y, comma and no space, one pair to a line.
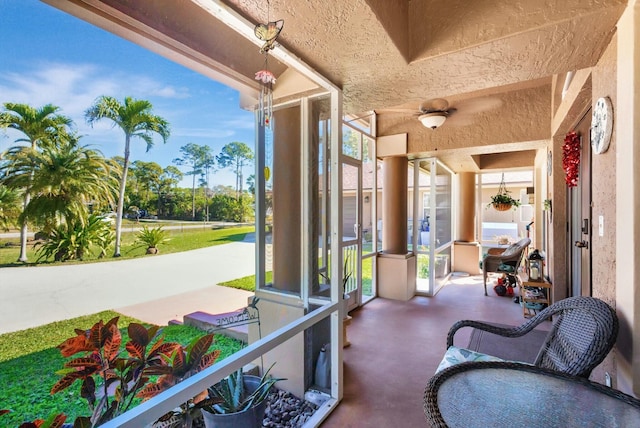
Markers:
265,102
502,201
571,158
268,33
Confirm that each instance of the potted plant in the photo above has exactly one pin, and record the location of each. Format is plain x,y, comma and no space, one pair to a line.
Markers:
151,238
345,280
502,201
183,363
238,401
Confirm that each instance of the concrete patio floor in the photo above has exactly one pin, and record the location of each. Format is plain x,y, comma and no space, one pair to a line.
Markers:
396,347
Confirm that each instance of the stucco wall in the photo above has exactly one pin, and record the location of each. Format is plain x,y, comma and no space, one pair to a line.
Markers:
627,130
600,83
603,181
603,199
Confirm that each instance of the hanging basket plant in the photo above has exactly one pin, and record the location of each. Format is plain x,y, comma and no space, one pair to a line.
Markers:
502,201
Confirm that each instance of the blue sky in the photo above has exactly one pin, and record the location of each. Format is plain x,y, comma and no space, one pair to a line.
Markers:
48,56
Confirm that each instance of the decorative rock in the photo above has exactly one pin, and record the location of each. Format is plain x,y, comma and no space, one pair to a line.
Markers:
284,410
287,411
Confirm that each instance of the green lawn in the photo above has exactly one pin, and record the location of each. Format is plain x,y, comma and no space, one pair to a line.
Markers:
29,360
248,283
179,240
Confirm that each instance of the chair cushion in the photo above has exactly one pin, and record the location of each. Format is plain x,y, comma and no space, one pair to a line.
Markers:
455,355
512,249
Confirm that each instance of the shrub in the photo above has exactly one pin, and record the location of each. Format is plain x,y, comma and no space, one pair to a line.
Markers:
151,238
228,208
72,241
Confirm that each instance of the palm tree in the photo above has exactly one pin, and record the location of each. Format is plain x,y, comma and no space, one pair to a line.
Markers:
37,126
135,118
9,206
63,179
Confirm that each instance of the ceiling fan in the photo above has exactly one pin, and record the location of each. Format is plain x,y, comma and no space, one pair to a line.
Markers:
434,112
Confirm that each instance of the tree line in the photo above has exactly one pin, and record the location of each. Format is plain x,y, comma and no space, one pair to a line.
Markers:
54,183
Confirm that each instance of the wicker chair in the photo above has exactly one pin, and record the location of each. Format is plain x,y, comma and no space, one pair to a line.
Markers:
511,256
583,331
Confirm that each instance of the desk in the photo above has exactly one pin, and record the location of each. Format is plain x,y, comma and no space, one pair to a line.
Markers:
504,394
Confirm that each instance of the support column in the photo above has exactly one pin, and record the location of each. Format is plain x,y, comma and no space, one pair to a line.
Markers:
286,200
467,207
466,251
394,205
280,309
396,267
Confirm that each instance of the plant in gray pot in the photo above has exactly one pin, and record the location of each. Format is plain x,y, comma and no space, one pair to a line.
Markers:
345,281
238,401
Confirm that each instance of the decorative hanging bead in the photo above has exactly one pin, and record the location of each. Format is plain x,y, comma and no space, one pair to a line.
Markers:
265,101
571,158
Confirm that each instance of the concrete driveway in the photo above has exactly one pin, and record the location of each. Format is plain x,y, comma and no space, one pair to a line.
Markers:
155,289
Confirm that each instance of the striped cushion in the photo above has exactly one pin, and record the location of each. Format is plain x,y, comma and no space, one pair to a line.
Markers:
455,355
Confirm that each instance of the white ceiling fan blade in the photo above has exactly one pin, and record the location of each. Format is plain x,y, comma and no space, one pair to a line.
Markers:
479,105
397,111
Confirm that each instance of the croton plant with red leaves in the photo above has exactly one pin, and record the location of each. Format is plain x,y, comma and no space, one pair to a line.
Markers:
111,377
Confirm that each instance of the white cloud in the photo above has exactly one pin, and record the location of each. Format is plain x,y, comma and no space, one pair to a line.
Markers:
202,132
171,92
239,123
74,87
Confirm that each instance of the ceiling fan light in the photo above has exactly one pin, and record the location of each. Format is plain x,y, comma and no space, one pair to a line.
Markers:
433,120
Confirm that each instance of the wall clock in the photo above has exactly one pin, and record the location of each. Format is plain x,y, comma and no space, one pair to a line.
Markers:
601,125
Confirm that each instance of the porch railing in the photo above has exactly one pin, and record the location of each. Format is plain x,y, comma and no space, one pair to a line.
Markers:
148,412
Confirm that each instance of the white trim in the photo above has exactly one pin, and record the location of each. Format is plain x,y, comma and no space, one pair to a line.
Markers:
245,28
305,206
260,203
337,339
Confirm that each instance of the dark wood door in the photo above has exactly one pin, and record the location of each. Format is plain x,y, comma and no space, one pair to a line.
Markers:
579,215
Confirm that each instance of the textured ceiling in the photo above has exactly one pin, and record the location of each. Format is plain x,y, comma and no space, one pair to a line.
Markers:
398,53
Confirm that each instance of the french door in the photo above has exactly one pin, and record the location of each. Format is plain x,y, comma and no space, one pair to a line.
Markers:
431,234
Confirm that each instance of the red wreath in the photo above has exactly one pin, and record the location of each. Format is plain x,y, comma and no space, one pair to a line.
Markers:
571,158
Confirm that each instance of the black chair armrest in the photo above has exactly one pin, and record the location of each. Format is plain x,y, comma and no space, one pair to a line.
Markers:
515,331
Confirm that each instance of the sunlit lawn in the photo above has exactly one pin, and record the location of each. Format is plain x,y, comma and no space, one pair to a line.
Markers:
183,239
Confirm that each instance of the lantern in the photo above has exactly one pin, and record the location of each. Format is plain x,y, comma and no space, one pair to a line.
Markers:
536,266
